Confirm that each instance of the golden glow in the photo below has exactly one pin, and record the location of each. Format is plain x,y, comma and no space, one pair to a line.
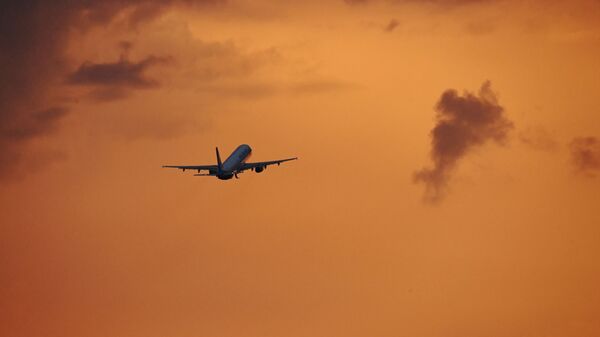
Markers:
103,242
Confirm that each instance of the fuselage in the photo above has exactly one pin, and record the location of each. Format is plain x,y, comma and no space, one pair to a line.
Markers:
234,162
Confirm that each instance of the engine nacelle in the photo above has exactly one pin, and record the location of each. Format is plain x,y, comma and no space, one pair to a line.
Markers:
259,169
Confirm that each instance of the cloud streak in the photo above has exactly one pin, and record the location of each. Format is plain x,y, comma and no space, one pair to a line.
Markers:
462,123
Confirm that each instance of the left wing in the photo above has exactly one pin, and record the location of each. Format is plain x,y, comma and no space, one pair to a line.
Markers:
262,164
209,168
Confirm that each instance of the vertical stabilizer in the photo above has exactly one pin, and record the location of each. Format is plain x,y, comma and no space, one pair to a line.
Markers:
219,163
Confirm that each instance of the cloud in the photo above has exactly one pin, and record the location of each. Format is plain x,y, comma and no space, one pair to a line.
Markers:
114,80
33,37
585,155
463,122
31,44
32,40
121,73
393,24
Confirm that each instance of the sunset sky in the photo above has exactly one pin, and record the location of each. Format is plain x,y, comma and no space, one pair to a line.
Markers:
448,183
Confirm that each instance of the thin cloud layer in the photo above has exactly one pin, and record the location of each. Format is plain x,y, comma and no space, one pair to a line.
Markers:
463,123
585,155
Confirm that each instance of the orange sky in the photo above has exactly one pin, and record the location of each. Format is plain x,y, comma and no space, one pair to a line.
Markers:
97,240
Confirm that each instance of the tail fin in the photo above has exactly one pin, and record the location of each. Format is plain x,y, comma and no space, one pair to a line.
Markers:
219,163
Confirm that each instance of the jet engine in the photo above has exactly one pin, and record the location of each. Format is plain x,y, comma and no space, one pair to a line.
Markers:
259,169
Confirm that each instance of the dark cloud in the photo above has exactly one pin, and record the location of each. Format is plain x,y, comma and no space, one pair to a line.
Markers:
33,38
585,154
463,122
391,25
121,73
114,80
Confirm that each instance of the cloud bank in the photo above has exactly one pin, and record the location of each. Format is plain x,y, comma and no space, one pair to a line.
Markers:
33,39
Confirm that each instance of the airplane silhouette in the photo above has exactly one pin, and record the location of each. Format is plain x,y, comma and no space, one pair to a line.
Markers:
234,164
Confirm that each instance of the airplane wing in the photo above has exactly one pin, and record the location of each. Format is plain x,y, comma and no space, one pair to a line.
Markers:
209,168
263,164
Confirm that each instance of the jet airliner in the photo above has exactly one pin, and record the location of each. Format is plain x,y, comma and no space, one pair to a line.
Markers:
234,164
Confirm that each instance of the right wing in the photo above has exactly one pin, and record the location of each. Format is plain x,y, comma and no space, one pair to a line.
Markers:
209,168
263,164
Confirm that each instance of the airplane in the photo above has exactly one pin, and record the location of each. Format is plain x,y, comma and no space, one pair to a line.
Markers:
234,164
